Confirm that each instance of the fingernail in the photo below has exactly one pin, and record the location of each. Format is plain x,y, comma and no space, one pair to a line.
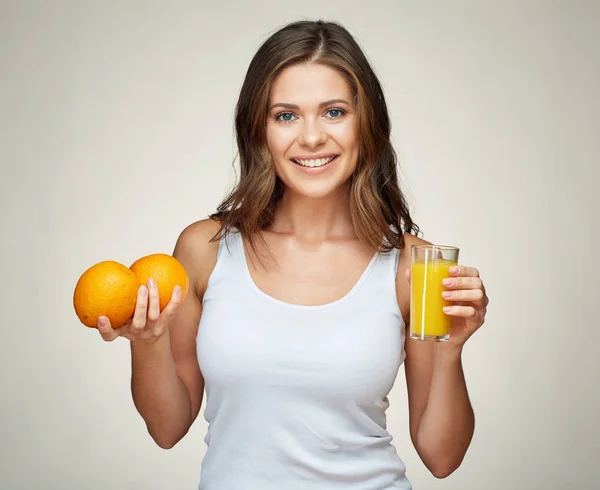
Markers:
447,282
453,270
101,322
143,290
151,283
447,309
447,294
177,290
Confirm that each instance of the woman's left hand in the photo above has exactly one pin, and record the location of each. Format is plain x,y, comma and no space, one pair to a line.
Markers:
465,290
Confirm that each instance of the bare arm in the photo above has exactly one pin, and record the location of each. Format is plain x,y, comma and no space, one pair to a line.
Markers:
166,382
441,417
167,403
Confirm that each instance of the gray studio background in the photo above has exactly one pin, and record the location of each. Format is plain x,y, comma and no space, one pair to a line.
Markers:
116,131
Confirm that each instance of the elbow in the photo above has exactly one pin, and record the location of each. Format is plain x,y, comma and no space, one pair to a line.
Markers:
440,463
164,440
441,471
165,435
165,443
443,468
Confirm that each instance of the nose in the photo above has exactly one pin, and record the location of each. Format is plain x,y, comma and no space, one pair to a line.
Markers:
312,134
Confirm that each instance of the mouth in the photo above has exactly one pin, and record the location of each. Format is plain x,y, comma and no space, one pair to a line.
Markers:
314,162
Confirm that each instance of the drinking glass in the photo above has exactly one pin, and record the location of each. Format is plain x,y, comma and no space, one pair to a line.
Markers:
430,264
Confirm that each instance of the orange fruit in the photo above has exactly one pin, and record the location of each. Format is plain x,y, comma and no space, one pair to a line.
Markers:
107,288
166,270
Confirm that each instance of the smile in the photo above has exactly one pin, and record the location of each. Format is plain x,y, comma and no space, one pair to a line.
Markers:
314,162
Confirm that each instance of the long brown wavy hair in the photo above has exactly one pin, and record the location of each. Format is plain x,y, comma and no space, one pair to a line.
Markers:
379,211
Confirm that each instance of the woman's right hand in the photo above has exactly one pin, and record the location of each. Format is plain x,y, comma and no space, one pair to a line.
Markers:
148,322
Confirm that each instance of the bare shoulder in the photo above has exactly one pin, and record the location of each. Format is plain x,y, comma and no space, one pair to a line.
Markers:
197,251
410,240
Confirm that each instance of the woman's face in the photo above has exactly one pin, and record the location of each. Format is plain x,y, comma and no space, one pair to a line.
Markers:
311,130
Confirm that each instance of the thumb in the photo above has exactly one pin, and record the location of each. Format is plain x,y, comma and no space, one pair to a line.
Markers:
106,330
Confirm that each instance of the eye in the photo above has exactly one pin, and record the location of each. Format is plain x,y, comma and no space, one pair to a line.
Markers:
335,113
284,117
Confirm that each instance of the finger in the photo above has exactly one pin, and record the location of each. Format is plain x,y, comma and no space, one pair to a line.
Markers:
141,310
462,283
106,330
460,311
153,301
172,305
461,270
407,274
475,295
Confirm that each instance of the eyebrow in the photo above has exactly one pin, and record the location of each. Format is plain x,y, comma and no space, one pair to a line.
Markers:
294,107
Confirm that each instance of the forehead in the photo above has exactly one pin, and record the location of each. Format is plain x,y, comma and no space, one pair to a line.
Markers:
309,84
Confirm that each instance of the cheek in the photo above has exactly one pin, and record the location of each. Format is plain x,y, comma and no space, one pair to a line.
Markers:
348,140
279,140
278,143
346,136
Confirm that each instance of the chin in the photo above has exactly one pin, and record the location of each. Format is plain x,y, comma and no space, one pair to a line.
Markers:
318,190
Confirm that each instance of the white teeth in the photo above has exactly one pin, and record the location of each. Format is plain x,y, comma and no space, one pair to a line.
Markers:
319,162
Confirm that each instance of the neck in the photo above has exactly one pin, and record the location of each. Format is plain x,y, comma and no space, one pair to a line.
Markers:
314,219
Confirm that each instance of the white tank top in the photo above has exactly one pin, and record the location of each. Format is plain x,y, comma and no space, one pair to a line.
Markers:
296,395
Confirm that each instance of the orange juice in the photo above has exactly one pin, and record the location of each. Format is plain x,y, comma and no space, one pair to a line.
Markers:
427,318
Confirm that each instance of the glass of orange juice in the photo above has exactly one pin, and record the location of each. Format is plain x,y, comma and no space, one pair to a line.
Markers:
430,264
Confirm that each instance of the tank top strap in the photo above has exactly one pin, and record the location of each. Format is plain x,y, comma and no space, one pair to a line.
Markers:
230,246
227,265
389,261
380,285
226,243
395,259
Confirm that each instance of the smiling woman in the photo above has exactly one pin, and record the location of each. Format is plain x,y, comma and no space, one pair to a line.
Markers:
297,357
314,143
311,94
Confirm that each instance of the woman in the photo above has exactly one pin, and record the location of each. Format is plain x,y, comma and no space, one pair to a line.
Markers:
295,325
